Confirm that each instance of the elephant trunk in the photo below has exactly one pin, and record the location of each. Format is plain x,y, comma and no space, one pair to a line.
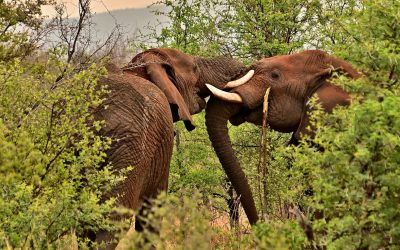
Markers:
217,115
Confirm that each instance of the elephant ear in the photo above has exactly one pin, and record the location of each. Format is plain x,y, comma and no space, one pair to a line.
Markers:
327,66
162,74
342,66
329,95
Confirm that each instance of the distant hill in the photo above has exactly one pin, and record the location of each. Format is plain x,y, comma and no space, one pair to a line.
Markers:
129,19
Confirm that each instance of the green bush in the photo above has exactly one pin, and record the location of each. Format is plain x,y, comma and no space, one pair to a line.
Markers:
182,220
354,174
53,175
52,171
178,221
355,178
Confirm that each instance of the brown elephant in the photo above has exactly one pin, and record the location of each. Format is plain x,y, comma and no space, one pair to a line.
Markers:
157,88
292,79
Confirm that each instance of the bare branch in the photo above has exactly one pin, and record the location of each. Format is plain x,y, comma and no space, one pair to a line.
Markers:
301,218
84,11
76,36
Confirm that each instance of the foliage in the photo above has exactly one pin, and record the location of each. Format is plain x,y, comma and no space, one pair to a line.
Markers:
20,23
53,175
183,220
355,178
375,50
331,15
190,29
245,29
178,221
258,29
280,235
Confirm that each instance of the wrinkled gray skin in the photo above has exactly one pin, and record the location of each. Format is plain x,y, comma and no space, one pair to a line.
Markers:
293,80
159,87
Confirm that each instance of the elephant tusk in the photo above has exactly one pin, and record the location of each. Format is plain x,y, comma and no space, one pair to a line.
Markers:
226,96
240,81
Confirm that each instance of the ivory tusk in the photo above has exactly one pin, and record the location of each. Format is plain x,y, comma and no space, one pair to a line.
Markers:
240,81
226,96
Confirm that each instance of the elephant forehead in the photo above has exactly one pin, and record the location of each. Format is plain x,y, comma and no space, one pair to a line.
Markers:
309,61
277,62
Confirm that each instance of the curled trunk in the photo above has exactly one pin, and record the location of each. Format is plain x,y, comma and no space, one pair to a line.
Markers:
217,115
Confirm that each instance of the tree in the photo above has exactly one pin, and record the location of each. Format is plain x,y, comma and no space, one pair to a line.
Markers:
244,29
20,23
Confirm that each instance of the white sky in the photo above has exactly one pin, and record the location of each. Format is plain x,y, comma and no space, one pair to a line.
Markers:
99,6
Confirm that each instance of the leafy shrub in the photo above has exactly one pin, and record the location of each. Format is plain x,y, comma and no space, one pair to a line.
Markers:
52,171
178,221
355,177
183,220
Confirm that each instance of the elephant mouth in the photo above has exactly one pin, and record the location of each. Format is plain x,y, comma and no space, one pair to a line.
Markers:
202,104
245,115
271,114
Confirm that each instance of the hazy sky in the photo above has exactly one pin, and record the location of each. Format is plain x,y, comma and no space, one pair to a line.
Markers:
102,5
98,5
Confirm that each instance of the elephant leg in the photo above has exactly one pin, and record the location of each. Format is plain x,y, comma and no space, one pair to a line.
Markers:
106,238
128,189
140,218
158,172
141,191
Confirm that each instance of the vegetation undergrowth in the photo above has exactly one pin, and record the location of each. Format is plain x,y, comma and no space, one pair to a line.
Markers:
338,190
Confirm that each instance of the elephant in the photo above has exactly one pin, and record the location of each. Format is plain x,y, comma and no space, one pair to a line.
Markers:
157,88
292,80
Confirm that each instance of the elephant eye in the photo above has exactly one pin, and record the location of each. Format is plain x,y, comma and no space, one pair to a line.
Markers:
274,75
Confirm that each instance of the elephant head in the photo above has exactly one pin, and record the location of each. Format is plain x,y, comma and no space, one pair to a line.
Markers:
182,78
292,80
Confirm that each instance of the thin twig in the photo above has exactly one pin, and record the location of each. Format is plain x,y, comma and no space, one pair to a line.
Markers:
302,219
262,165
